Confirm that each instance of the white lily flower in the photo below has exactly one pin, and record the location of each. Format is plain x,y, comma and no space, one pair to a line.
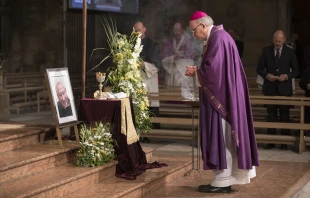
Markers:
131,61
135,55
138,43
121,43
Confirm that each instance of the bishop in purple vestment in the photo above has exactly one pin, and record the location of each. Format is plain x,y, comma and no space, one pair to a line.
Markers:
227,133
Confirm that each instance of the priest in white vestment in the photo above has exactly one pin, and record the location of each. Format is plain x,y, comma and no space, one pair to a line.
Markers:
177,53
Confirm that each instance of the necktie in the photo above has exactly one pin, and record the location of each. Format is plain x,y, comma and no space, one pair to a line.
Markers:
278,54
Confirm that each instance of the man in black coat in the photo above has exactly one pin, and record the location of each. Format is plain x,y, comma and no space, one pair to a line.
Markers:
150,53
278,65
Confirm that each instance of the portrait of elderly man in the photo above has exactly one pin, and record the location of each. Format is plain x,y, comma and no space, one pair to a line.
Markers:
63,104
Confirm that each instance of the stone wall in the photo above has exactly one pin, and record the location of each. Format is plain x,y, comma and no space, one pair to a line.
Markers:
254,21
37,32
36,35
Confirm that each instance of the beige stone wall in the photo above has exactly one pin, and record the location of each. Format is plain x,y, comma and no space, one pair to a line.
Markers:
254,20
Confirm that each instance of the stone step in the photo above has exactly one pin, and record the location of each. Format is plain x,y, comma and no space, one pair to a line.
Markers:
58,181
145,184
14,136
273,179
35,158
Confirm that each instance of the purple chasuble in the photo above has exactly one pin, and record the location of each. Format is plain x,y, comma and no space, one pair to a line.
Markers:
224,94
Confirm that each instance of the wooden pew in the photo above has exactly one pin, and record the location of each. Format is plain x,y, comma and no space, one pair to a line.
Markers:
22,88
17,106
254,89
255,100
42,94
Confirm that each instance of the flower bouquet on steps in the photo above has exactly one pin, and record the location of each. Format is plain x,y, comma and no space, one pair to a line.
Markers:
126,75
96,146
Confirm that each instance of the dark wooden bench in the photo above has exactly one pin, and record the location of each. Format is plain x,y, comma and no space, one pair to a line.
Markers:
17,106
42,94
23,84
300,102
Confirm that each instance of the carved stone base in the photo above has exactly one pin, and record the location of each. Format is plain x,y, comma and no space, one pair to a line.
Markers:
4,105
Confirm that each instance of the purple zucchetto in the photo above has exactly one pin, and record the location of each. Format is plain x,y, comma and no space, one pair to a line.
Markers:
198,15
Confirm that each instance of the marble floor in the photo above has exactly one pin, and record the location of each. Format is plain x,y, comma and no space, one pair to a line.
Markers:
181,147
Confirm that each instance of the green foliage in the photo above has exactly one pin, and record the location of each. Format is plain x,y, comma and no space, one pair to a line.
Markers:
126,75
96,146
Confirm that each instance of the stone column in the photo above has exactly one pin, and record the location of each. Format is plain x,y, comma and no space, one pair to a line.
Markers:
203,6
285,16
4,102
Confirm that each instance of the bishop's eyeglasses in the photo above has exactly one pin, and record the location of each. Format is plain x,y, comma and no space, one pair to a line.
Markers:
194,30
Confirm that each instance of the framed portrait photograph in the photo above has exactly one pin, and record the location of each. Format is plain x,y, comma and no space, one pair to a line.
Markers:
61,95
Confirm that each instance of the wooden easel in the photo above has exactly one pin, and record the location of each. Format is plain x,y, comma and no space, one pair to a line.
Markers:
57,126
59,133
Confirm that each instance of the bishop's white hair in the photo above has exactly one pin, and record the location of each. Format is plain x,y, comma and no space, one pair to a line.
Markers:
205,20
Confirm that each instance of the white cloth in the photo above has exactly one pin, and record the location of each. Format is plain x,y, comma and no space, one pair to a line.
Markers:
176,46
232,175
197,80
175,72
259,81
293,84
175,69
151,81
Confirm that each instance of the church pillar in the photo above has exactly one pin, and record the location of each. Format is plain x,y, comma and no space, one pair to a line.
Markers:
285,16
4,102
203,4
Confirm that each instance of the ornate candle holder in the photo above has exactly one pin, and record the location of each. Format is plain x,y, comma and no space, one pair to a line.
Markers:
100,77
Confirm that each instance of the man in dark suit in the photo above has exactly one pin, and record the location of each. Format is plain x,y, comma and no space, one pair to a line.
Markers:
150,54
278,65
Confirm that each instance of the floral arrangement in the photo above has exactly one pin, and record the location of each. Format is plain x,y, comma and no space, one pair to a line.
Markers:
126,74
96,145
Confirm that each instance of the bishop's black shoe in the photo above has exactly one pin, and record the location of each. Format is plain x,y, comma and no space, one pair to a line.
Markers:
212,189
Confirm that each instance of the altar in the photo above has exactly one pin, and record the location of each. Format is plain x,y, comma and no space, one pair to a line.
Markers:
131,158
